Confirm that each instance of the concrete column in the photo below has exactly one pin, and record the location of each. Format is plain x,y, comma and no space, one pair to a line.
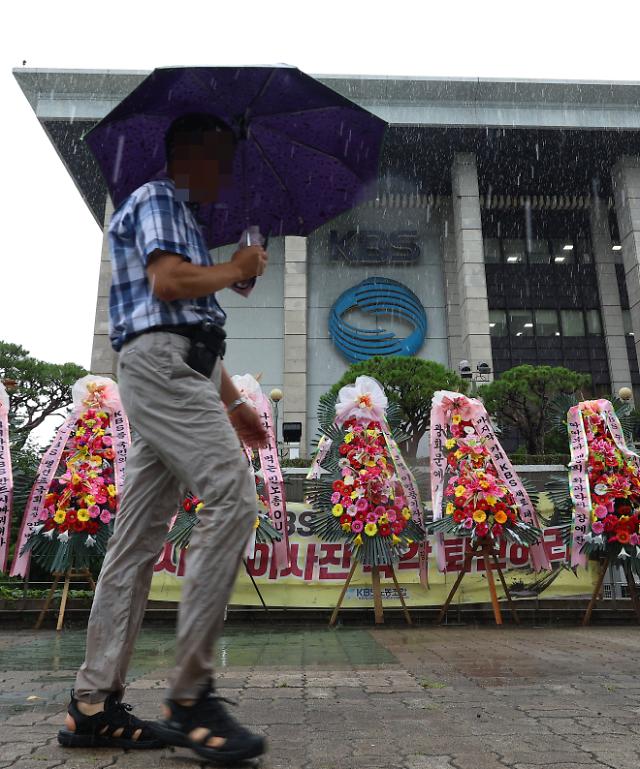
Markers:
295,335
452,294
610,309
626,188
103,358
469,260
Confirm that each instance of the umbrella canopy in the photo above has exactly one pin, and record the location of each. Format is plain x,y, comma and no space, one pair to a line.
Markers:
305,154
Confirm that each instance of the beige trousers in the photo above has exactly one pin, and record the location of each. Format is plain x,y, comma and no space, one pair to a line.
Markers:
182,439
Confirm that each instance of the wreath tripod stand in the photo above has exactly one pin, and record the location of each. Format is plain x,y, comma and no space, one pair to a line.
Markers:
483,548
631,585
83,574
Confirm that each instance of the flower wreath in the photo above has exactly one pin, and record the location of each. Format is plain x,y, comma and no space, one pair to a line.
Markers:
471,497
359,487
6,480
604,483
69,518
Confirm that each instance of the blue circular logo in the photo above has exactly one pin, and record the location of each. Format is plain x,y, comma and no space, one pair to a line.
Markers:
378,297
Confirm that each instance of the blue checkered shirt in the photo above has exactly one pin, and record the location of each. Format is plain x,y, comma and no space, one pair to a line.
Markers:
151,218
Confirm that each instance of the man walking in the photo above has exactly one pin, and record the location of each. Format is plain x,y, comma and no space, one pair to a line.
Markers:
183,408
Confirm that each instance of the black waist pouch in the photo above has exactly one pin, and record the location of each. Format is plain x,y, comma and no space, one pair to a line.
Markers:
207,345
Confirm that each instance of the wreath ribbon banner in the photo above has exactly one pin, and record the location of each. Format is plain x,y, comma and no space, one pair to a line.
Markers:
6,483
579,484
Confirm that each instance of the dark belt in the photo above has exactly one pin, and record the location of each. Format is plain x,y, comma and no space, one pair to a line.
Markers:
185,329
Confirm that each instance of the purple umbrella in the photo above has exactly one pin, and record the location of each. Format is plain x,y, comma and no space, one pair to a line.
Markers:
305,155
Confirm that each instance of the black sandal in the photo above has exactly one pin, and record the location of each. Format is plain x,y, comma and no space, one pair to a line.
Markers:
97,731
209,713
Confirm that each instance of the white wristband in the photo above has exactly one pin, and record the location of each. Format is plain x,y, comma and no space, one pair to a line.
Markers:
237,402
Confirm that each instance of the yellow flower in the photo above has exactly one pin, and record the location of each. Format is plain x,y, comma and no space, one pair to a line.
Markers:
89,500
479,516
346,526
383,519
59,516
96,459
75,479
111,489
491,500
450,509
257,523
83,515
337,510
406,513
450,443
348,480
80,432
199,506
458,454
459,490
369,463
456,419
357,541
354,495
396,540
348,437
500,516
371,529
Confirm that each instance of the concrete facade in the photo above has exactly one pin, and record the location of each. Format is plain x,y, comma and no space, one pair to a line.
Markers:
104,360
295,335
469,261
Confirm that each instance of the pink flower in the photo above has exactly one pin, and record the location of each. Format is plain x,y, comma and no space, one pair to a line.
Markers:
380,510
597,527
601,511
357,527
106,440
468,523
634,539
94,511
372,517
105,516
45,513
352,510
497,529
362,505
392,516
100,497
400,502
335,497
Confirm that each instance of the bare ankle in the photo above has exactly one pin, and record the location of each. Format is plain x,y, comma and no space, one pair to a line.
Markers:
90,708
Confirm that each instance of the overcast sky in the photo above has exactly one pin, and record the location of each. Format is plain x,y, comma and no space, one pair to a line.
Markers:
50,242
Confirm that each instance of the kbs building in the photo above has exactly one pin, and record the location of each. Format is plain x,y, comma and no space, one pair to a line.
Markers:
506,223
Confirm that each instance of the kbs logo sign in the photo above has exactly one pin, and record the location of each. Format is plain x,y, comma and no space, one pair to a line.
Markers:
374,247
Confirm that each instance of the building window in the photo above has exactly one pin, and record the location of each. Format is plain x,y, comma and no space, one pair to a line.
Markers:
547,323
497,322
584,251
514,251
521,322
539,252
492,251
626,322
594,323
572,322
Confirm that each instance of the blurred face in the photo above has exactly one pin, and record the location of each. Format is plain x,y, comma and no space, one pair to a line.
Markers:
201,166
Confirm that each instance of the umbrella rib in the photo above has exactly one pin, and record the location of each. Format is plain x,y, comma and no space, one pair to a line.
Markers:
277,175
307,146
308,111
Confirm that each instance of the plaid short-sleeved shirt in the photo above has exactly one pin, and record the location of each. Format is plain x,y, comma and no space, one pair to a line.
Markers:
151,218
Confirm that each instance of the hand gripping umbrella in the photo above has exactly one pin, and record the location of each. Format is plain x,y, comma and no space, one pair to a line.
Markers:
305,153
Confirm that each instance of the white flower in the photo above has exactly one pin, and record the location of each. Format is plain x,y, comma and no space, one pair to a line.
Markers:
89,541
64,537
365,401
623,554
49,534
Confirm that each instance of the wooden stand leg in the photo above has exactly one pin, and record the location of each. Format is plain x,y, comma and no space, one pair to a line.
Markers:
596,591
378,611
47,603
63,603
407,616
633,593
510,601
87,575
492,585
334,615
465,568
253,582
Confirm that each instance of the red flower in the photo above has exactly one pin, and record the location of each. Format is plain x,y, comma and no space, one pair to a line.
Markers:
345,519
109,453
623,536
49,524
459,516
610,523
343,450
92,527
187,505
62,527
398,527
361,517
482,529
338,486
77,525
384,529
71,517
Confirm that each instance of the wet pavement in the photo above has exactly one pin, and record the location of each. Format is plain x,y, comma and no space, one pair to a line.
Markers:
362,698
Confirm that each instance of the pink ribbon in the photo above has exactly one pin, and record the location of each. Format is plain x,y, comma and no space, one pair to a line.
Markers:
324,445
6,487
121,437
579,484
412,494
272,475
35,504
474,411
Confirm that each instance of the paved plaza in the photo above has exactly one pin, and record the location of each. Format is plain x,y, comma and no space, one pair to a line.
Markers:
362,698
